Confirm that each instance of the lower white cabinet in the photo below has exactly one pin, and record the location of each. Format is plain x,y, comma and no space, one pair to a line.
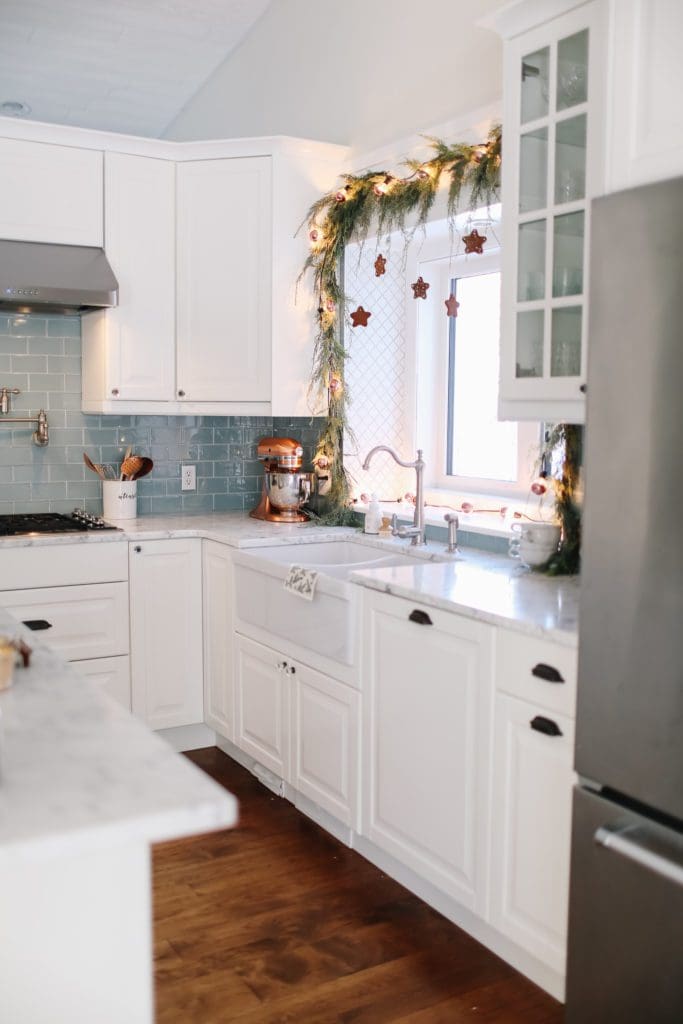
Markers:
218,638
531,827
166,632
262,705
300,724
425,764
111,674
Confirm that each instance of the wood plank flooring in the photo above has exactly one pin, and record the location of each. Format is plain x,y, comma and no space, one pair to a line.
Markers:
275,922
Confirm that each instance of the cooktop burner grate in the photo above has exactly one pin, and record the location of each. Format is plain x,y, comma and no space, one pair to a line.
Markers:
50,522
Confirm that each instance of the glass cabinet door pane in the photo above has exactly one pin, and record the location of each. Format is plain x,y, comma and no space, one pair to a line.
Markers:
531,261
529,354
570,159
565,342
568,254
533,170
572,70
535,81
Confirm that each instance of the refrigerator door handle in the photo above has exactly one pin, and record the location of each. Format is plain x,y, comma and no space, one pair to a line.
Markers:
637,844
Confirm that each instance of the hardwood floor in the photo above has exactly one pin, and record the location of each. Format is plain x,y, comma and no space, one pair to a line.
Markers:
276,922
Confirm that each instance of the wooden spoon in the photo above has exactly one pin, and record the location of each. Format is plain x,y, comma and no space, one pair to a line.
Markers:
94,466
131,465
129,452
147,467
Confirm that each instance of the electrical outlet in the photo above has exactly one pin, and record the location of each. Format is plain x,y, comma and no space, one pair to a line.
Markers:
188,478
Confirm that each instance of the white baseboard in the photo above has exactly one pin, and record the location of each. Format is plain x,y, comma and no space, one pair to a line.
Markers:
189,737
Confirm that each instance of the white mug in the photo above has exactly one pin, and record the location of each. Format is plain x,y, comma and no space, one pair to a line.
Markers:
533,543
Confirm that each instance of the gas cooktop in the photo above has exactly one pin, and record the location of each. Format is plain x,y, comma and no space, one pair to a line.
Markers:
29,523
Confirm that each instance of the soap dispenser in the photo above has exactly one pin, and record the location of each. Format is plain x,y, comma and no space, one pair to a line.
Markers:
373,516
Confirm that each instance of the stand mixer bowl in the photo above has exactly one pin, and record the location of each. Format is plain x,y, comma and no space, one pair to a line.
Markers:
287,491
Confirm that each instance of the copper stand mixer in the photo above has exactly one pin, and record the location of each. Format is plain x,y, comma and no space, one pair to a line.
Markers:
285,487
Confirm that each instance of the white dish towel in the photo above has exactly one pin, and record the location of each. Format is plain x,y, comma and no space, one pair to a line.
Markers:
301,582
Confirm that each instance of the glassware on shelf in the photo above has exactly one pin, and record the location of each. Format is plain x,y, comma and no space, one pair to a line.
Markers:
531,261
533,170
565,342
535,85
568,254
529,351
570,159
572,70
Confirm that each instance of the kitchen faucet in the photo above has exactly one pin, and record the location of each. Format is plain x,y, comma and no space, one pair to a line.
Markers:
417,531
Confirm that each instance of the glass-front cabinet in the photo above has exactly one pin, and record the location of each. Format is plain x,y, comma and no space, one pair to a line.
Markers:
552,166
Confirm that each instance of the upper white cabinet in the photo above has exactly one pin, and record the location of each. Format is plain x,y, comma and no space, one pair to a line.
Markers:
129,351
645,115
425,762
224,280
50,193
553,164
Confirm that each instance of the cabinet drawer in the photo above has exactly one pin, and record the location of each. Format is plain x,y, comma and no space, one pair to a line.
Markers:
111,674
84,622
63,565
528,668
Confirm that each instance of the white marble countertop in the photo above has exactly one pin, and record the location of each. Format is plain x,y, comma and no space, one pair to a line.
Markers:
489,587
78,771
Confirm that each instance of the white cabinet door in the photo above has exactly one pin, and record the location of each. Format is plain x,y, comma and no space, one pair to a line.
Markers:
166,632
50,193
111,674
224,280
645,115
129,351
325,741
262,705
218,639
531,827
426,742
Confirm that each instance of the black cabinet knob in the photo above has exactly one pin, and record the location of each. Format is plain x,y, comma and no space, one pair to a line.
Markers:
547,672
583,388
137,549
181,394
422,619
545,725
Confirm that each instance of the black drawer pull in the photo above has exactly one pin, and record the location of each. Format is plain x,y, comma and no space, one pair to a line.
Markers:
420,617
545,725
37,624
547,672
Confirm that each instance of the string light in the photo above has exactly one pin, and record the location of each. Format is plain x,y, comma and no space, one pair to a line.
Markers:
382,187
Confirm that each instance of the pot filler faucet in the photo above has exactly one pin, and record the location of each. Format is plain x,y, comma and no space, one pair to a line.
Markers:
417,531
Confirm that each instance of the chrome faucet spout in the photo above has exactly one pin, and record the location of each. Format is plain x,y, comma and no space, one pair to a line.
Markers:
417,531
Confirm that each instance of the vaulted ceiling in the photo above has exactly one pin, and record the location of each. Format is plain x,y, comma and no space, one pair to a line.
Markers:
126,66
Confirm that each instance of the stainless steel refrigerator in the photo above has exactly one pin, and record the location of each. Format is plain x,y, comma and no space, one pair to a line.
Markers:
625,961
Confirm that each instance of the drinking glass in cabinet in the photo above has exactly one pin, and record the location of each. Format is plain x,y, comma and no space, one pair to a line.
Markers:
529,352
531,261
570,159
535,80
533,170
568,254
565,342
572,70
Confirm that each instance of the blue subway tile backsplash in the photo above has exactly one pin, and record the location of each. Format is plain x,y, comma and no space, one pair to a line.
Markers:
42,357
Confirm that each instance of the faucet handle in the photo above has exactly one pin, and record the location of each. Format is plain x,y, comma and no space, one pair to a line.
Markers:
394,525
453,523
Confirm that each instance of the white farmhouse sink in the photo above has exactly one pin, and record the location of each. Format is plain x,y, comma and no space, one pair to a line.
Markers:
327,624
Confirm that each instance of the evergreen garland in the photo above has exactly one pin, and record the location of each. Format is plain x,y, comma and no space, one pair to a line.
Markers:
569,438
347,214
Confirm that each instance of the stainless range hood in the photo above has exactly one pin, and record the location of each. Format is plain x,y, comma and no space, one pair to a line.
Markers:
39,277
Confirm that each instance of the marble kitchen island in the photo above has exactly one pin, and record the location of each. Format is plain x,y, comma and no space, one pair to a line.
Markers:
85,789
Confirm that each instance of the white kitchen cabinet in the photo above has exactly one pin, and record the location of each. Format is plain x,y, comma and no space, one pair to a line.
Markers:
531,827
645,116
166,632
425,764
111,674
50,193
324,731
129,351
554,118
218,638
262,691
224,280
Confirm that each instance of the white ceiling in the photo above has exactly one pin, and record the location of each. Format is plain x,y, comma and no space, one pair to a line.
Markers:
120,65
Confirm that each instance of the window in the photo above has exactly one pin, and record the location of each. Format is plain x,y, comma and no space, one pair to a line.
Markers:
457,371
